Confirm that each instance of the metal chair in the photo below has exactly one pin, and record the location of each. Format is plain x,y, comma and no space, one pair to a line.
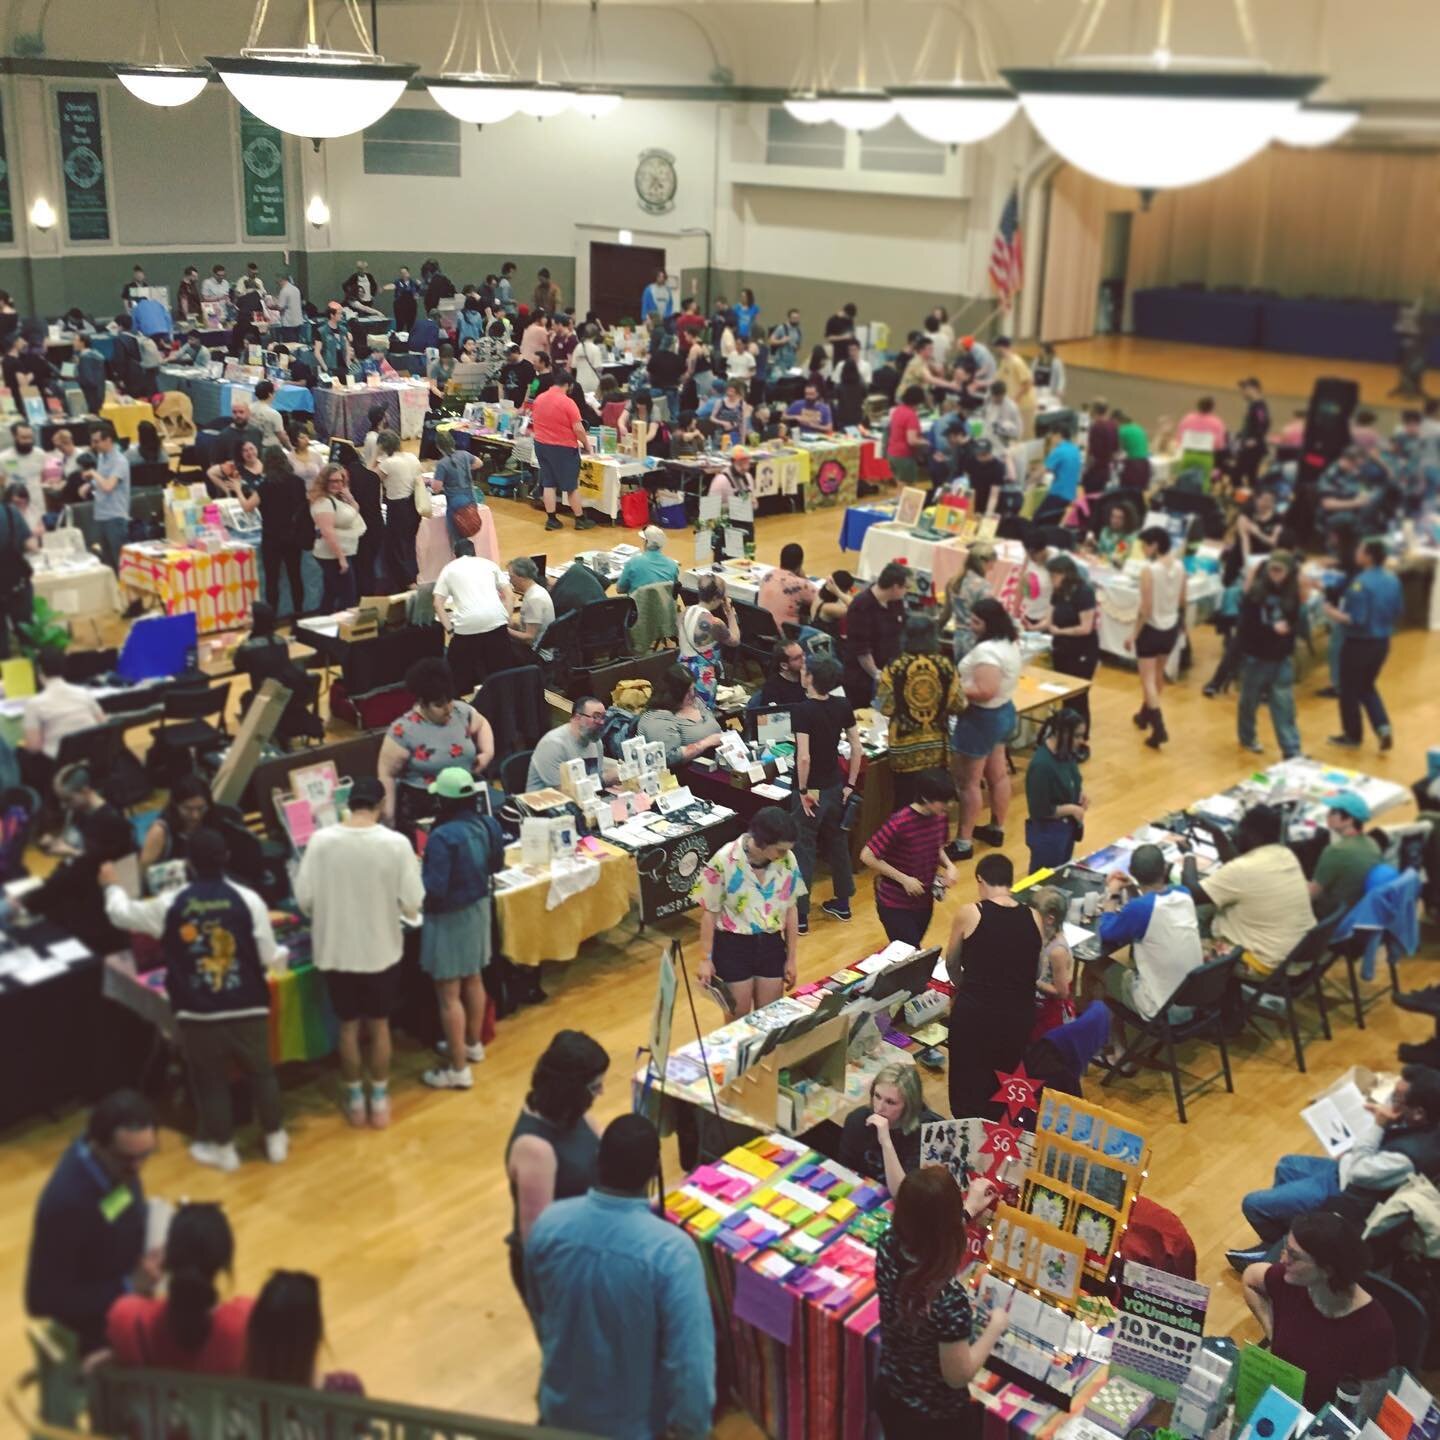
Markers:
759,634
1301,971
1408,1317
515,772
604,629
1203,990
193,721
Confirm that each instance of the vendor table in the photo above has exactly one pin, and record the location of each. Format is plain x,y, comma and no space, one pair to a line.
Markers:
940,558
432,540
51,1017
126,415
211,399
302,1024
532,933
217,588
858,520
344,414
600,480
79,589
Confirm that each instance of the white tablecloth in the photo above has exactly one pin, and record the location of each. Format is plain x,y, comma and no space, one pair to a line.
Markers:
79,590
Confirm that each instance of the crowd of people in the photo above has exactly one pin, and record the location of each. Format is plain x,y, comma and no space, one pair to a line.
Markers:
616,1297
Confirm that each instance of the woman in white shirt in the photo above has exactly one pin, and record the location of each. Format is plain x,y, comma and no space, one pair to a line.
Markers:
1157,627
339,530
989,673
305,460
588,361
399,473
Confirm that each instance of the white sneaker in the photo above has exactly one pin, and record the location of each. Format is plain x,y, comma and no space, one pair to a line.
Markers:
277,1147
222,1157
474,1053
443,1078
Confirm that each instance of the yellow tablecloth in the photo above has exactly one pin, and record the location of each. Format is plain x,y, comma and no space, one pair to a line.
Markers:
530,933
126,415
218,589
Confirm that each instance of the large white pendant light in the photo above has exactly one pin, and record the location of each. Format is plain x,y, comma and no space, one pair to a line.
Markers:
163,85
314,92
956,114
1157,129
158,82
807,109
856,109
1315,124
594,100
475,99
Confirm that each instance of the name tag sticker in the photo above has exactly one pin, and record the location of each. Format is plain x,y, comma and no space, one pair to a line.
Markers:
116,1203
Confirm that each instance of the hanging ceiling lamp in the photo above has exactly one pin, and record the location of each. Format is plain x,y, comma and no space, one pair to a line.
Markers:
957,112
160,83
544,100
860,108
1160,121
594,100
1317,123
314,92
804,104
489,92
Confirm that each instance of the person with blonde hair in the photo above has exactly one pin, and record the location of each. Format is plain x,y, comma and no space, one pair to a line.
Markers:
339,529
1054,1000
883,1140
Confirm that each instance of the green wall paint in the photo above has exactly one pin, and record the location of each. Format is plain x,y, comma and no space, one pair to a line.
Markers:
816,300
49,286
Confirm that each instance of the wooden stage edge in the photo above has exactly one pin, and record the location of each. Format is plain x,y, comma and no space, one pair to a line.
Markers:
1216,369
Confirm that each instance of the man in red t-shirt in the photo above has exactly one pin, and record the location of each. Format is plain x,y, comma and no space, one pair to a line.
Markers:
560,436
905,436
689,324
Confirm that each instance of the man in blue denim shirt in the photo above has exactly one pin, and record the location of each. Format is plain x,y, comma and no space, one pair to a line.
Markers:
1369,610
619,1302
110,491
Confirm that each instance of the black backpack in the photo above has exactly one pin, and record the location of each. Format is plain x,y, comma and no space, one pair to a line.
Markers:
620,725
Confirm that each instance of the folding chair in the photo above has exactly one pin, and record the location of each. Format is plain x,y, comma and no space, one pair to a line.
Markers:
1203,991
1301,971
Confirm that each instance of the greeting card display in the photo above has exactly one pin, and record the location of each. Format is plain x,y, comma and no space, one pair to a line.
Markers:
1026,1249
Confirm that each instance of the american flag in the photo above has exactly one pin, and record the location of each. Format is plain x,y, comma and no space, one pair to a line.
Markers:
1006,256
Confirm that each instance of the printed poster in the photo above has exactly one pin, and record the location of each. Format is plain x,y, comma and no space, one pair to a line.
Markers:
1160,1328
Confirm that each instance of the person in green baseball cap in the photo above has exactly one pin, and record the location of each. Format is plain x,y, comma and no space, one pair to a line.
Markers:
464,850
1349,857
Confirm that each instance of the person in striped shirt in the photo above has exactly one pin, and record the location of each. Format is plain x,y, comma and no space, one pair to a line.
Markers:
907,853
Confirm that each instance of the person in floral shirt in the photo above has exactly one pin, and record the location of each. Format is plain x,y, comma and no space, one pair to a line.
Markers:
749,927
440,731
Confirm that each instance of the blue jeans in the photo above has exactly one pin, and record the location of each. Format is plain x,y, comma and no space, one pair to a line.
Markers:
113,534
1302,1183
1271,681
337,591
1051,842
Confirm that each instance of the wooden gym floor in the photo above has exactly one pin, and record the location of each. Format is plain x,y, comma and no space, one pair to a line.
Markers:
1219,368
406,1227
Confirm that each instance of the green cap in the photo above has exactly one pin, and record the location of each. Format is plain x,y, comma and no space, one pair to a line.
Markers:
454,783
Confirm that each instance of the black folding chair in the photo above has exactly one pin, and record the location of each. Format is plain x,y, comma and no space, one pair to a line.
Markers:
1408,1318
515,772
604,630
1203,991
193,723
759,634
1300,972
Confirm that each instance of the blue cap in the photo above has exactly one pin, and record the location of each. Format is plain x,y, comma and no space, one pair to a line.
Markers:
1349,803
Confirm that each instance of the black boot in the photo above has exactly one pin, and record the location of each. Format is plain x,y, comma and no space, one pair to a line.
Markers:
1141,718
1158,733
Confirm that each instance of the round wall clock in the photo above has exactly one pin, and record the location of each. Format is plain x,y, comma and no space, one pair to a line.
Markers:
655,181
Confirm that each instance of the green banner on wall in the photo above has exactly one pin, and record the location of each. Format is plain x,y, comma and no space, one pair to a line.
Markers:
82,160
7,215
262,162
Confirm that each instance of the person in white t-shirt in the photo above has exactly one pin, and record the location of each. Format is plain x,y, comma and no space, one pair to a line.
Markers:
399,473
58,710
356,881
537,609
24,464
473,600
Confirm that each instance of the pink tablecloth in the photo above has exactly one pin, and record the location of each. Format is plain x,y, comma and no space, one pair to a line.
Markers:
432,543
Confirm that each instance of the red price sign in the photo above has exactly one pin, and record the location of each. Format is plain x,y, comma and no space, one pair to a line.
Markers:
1017,1092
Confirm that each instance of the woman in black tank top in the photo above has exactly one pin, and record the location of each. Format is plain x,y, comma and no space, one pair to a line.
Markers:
994,958
555,1119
